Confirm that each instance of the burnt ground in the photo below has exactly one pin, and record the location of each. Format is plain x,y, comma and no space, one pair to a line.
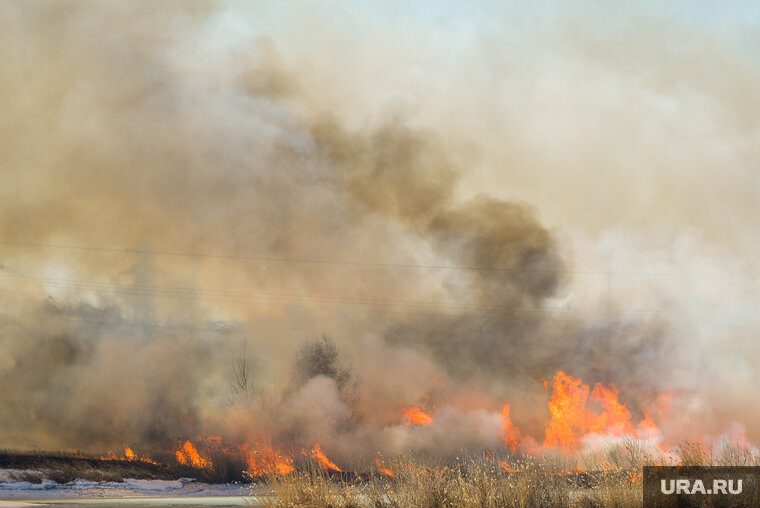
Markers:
63,468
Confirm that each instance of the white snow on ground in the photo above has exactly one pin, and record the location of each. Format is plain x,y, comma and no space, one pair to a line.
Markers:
11,488
129,483
8,483
19,485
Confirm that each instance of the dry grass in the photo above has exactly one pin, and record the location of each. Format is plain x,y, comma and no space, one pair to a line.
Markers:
473,482
607,478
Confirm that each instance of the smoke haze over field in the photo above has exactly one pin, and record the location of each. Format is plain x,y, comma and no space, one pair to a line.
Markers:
467,199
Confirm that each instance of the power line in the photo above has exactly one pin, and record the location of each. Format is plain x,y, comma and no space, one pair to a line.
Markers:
398,307
226,295
368,264
417,341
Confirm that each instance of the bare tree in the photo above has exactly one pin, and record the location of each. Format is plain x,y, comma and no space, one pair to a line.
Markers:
242,376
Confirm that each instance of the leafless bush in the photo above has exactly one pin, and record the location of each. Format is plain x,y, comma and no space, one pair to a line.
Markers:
242,378
321,357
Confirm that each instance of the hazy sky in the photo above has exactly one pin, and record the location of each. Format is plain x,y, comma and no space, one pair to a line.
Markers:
601,114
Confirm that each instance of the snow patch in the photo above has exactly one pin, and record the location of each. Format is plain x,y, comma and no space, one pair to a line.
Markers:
128,483
22,485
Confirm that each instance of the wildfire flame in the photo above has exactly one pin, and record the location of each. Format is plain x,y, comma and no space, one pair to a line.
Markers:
322,460
577,414
571,419
506,467
188,456
416,416
382,468
510,434
129,456
265,460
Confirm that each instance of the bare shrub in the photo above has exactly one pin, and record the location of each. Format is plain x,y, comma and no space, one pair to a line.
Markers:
321,357
242,377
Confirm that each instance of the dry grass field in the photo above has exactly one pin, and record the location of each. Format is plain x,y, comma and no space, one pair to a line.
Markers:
612,480
474,484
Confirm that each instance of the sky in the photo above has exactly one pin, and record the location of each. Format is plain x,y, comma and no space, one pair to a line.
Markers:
647,106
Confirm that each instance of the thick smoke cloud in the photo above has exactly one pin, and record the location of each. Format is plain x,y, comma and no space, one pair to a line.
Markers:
174,192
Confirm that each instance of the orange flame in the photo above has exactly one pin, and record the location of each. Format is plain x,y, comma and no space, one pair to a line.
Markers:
571,419
510,434
322,460
647,427
383,469
416,416
506,467
266,460
129,456
615,417
188,456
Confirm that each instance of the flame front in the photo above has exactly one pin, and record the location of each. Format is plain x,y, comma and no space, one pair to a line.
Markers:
577,416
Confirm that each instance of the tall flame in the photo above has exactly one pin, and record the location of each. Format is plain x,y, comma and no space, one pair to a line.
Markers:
571,419
510,434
